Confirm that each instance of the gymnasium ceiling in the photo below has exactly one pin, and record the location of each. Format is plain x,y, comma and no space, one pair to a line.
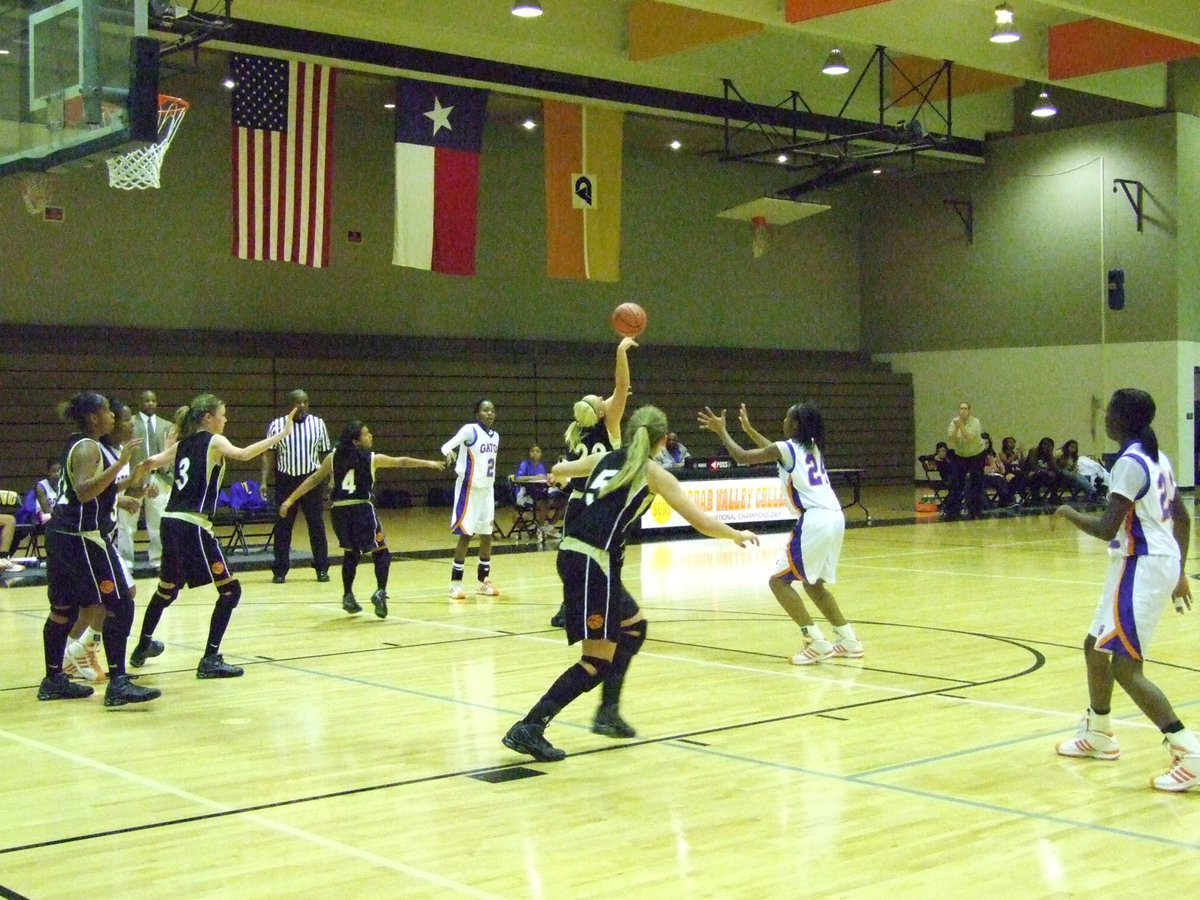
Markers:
1097,69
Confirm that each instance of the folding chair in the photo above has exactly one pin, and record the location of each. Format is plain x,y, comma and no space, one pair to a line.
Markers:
933,479
524,522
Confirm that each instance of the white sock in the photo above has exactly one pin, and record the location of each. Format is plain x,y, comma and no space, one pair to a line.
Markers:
90,636
845,632
812,632
1099,722
1187,740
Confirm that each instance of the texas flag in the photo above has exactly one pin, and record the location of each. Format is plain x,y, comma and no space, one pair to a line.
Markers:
439,130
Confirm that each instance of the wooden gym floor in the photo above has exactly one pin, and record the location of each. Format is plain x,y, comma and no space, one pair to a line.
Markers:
361,757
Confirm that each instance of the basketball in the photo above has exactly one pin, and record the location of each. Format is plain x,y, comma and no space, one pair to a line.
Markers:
629,320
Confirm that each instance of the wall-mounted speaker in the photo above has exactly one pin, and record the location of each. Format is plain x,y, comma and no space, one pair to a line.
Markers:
1116,288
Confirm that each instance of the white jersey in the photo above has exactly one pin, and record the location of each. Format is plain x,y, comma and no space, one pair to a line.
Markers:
1150,484
477,448
805,481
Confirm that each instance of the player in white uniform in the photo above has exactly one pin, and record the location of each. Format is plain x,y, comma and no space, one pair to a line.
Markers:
474,510
1147,527
811,556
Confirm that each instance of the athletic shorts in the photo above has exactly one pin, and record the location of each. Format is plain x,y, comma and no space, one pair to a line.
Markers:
474,510
357,527
814,548
82,571
594,604
1136,591
191,555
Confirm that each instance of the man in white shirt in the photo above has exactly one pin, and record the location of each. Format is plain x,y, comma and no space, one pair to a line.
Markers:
149,434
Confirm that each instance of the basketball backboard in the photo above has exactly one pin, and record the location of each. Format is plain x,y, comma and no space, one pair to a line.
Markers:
78,80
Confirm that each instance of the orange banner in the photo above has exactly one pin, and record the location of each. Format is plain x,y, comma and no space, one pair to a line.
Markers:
583,191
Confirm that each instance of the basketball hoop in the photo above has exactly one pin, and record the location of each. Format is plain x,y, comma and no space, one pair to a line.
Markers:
138,169
37,190
767,212
760,241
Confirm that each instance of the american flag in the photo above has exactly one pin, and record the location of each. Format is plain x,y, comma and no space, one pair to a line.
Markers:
282,159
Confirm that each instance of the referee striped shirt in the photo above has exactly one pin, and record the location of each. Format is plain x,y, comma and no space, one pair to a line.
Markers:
301,452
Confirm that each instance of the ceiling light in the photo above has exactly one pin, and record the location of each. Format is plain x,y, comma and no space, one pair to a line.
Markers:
877,171
1004,31
526,10
781,158
1044,109
529,124
389,106
229,84
675,145
835,63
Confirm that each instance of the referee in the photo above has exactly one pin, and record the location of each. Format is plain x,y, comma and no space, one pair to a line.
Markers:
293,459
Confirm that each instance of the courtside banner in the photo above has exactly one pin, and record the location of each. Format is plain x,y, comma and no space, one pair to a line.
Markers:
583,191
730,500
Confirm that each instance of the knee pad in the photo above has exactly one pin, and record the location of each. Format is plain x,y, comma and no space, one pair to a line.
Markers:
632,637
383,556
351,557
229,594
600,665
166,593
120,616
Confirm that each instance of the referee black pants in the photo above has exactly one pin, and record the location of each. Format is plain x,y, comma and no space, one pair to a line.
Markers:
312,504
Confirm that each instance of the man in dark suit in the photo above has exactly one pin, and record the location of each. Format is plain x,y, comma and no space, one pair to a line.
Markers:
150,434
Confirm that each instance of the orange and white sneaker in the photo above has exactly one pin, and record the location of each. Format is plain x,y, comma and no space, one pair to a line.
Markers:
457,592
93,654
1184,773
488,589
1089,743
76,663
848,648
813,653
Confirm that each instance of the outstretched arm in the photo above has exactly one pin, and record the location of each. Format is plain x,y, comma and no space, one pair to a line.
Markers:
1103,526
225,447
407,462
756,437
715,423
322,473
668,487
614,406
573,468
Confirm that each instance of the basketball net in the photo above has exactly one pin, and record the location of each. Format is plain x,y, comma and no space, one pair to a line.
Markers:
760,241
37,190
139,168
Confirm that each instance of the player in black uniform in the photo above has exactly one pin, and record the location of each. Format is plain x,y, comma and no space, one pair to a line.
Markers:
599,611
191,555
81,566
596,428
352,466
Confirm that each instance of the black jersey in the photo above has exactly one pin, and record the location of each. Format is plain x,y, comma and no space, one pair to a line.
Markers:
592,441
107,512
601,522
353,475
70,513
198,472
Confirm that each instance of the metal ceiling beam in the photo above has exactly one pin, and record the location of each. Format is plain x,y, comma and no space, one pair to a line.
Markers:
246,34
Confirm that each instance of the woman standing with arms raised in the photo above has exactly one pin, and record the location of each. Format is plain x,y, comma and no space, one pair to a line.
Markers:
191,555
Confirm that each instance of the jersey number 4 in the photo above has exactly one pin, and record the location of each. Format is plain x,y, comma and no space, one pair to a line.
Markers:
348,482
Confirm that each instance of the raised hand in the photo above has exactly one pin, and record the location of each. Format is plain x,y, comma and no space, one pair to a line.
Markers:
714,422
